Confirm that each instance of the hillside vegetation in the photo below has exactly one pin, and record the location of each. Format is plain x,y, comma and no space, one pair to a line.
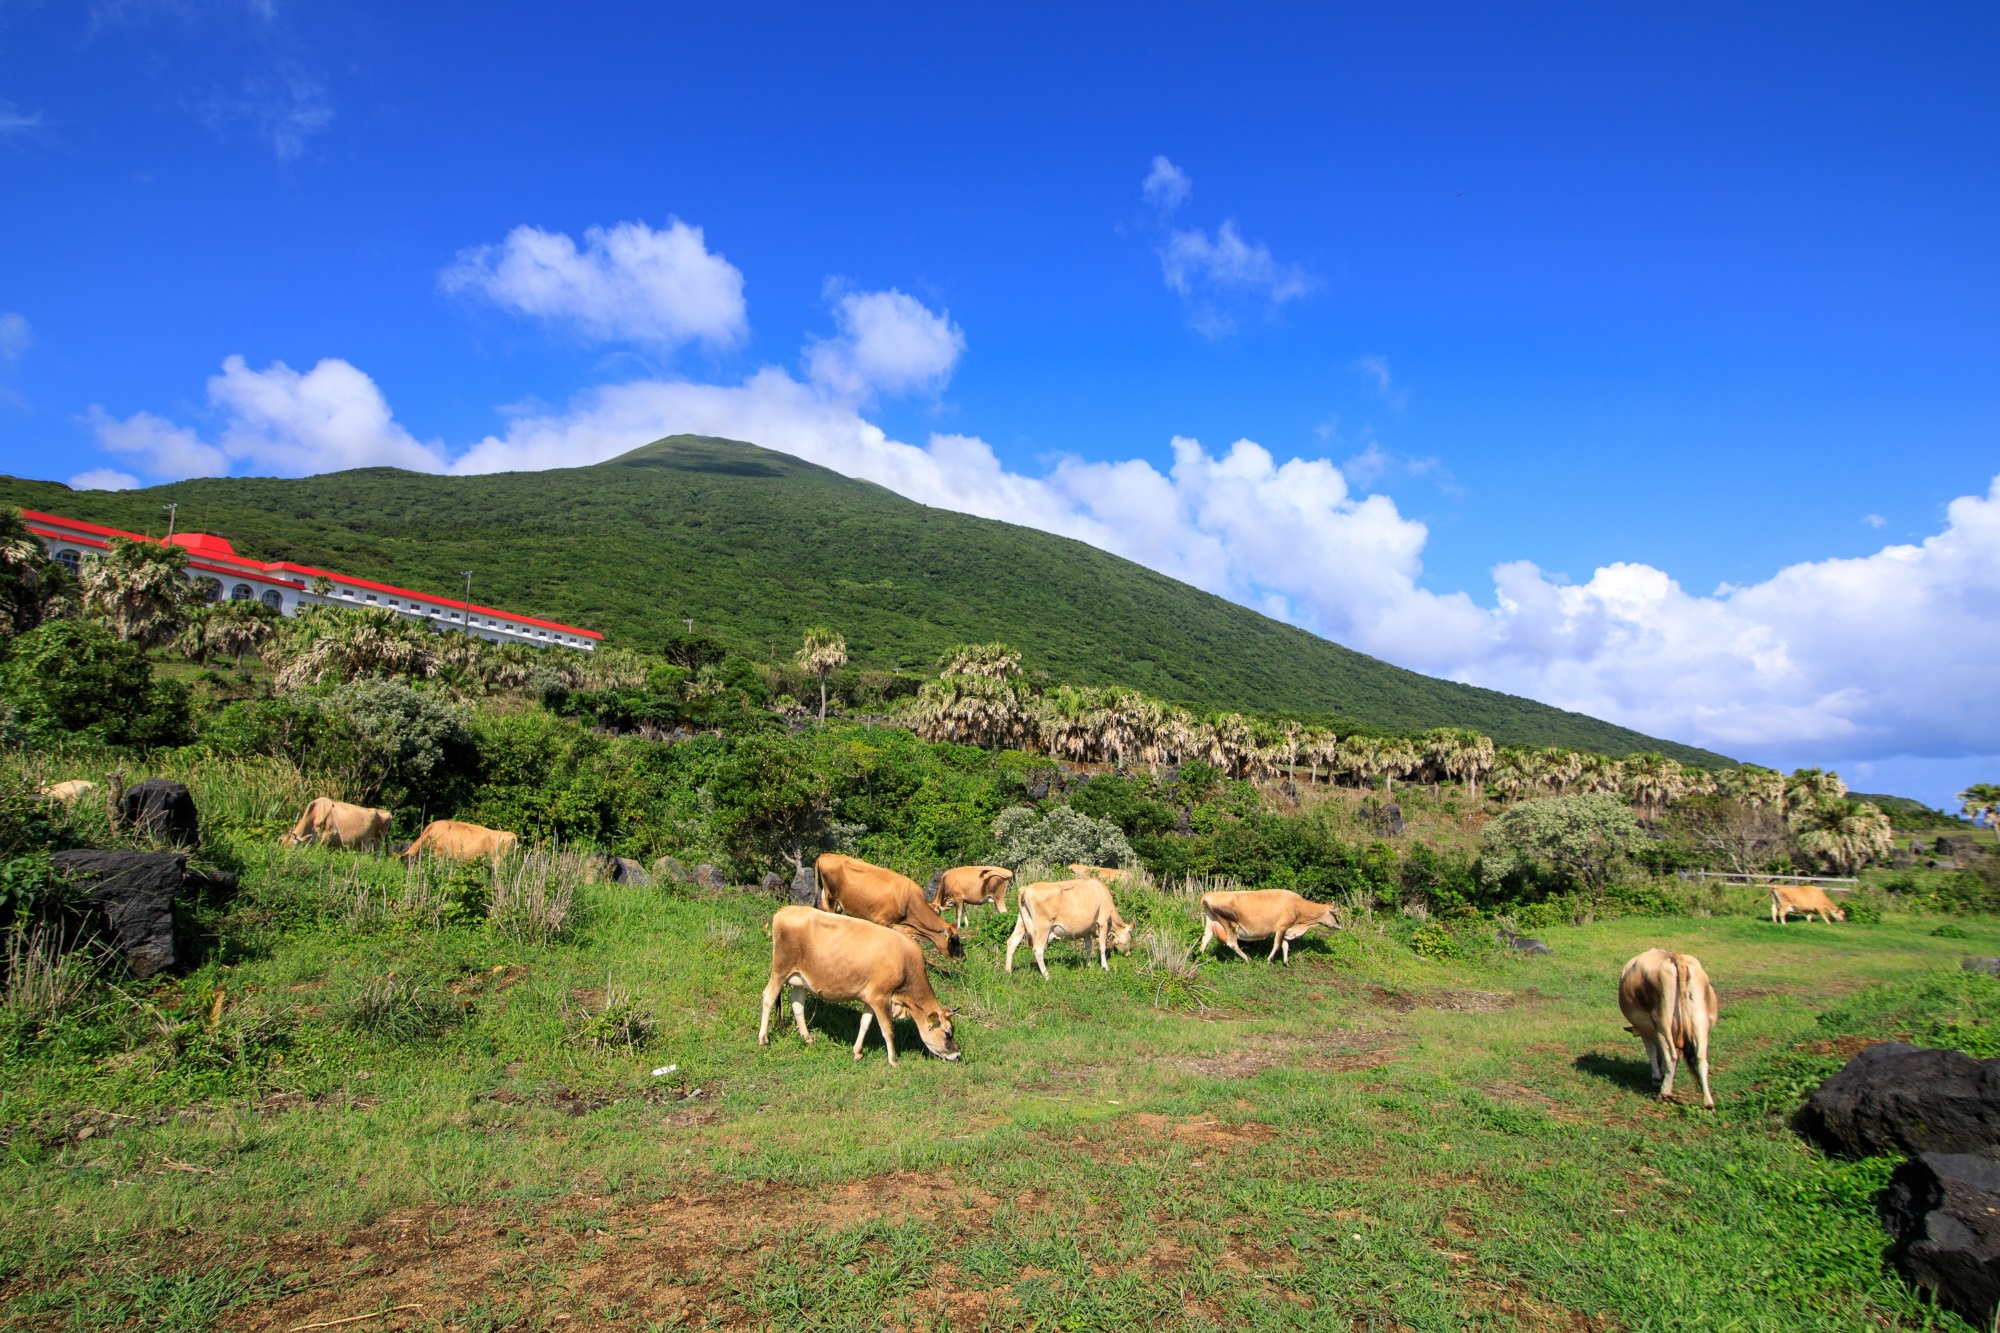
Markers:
753,546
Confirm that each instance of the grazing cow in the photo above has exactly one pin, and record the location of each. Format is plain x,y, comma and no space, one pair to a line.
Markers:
456,840
1278,915
69,791
1671,1007
851,885
1807,898
840,958
1109,874
1077,909
338,824
973,885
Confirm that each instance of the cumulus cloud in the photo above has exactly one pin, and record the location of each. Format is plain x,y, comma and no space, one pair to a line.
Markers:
277,420
1865,659
15,335
888,342
104,479
1216,276
626,283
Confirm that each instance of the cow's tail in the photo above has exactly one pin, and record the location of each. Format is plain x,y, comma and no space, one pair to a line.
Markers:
1682,1021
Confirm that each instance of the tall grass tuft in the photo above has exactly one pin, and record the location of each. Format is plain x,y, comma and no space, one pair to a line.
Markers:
47,975
1171,972
534,895
621,1019
402,1010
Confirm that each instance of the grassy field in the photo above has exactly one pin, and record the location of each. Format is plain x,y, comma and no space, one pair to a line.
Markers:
390,1117
754,546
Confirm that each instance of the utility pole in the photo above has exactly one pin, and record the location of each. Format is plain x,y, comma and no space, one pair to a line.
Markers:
468,601
172,510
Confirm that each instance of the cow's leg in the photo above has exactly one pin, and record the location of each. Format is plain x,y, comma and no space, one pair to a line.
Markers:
770,1003
799,1013
1774,911
1652,1044
1208,935
888,1026
1701,1068
1041,940
1103,945
1014,940
867,1017
1669,1062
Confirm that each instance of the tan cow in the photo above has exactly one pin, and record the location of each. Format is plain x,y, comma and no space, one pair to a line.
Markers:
972,885
1278,915
69,791
839,958
1806,898
1109,874
1667,1000
1076,909
338,824
455,840
850,885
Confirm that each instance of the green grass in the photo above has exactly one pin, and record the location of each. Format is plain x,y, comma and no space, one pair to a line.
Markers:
1365,1139
755,546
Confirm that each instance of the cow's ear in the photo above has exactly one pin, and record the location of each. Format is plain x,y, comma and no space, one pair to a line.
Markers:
951,1013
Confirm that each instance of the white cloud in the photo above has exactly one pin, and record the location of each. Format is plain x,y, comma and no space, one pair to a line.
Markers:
282,101
1215,276
104,479
15,335
1166,186
328,419
888,342
1875,520
1825,661
628,282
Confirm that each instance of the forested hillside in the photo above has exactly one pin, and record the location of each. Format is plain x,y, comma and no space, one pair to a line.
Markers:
753,546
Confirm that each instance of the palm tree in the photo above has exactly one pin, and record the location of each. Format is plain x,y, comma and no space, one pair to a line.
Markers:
1514,772
1359,757
228,629
1807,787
1469,757
822,653
1753,786
1393,759
322,643
1981,801
1653,782
28,578
140,589
995,660
1844,834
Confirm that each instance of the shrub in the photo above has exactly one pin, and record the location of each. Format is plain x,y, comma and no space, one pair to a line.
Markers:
73,679
1576,838
389,742
1434,942
1060,837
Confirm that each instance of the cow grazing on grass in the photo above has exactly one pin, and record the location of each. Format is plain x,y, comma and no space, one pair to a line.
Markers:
839,958
850,885
1807,898
1076,909
1671,1007
965,886
68,791
1278,915
1109,874
455,840
338,824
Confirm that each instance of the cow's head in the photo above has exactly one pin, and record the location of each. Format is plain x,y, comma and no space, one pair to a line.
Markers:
935,1028
1331,918
1838,915
954,946
1121,935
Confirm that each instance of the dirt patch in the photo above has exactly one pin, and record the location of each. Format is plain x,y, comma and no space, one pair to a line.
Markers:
1846,1047
1332,1052
1458,1001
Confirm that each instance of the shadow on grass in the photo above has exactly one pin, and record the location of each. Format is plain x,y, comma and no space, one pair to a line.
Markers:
838,1023
1632,1075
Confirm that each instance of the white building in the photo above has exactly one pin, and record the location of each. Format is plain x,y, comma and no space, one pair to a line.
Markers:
285,587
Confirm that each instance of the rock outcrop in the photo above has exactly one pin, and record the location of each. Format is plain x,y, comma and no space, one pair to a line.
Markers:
1894,1097
135,891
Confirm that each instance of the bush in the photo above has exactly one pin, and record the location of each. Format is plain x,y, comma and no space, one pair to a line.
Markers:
390,743
1063,836
71,679
1575,838
1434,942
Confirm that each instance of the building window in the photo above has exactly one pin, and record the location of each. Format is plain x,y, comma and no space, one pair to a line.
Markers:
273,600
211,589
241,593
67,559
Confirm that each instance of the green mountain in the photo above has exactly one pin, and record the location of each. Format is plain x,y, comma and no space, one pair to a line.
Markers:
754,546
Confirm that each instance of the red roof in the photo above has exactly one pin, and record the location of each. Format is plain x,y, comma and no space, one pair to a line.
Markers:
214,554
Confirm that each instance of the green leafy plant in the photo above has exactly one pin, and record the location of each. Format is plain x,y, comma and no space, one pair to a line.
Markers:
1433,941
402,1009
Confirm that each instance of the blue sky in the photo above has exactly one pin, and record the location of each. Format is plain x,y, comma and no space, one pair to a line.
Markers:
1707,295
